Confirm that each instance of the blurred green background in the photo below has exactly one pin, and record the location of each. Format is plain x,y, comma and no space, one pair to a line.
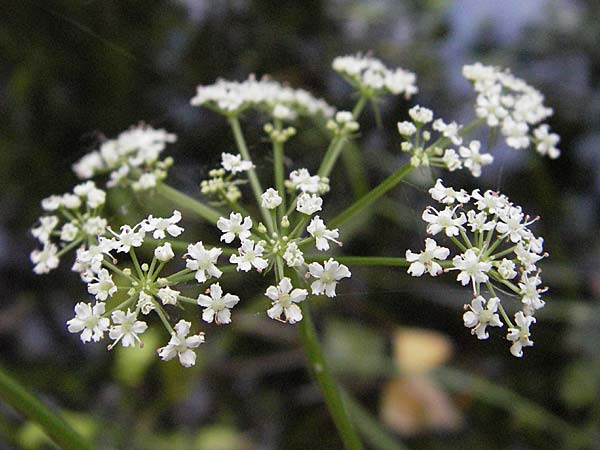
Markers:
74,71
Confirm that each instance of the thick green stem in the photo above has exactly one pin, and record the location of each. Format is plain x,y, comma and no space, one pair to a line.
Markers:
252,177
322,375
14,394
369,198
188,203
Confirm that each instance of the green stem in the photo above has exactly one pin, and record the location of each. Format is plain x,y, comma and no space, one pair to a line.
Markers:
329,389
254,182
364,260
372,195
14,394
189,203
279,173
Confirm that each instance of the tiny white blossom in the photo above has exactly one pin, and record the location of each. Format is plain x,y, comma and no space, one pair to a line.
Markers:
51,203
471,268
234,226
250,254
301,179
270,199
420,114
161,226
322,235
46,227
70,201
473,159
406,128
89,322
308,203
424,261
126,328
68,232
168,296
203,261
293,256
94,226
164,252
546,141
129,238
515,133
448,195
181,345
284,301
327,276
102,285
506,269
452,160
520,335
443,220
46,259
235,163
217,306
481,315
145,303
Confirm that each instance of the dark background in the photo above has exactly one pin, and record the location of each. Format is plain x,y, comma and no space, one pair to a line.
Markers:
74,71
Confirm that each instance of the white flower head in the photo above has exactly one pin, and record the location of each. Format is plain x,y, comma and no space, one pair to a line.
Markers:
159,227
520,336
270,199
322,235
284,301
102,286
217,306
406,128
420,114
46,227
293,256
168,296
250,255
425,261
89,322
164,252
471,268
235,163
129,238
203,261
46,259
181,345
302,180
473,159
126,328
308,203
444,220
448,195
234,226
327,276
480,315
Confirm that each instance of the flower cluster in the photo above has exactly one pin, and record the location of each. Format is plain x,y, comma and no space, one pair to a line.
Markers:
73,219
509,103
222,183
417,142
268,96
496,250
370,76
131,159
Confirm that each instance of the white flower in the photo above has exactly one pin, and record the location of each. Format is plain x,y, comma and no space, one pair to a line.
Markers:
471,268
250,254
520,336
515,133
51,203
506,269
234,227
47,225
46,259
94,226
480,221
282,112
293,256
126,328
217,306
180,345
89,321
103,287
546,141
203,261
449,130
327,276
448,195
302,180
284,301
270,199
420,114
527,258
68,232
129,238
490,201
473,160
308,203
406,128
452,160
511,224
70,201
162,226
424,261
322,235
481,315
443,220
234,163
145,303
168,296
530,292
145,182
164,252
